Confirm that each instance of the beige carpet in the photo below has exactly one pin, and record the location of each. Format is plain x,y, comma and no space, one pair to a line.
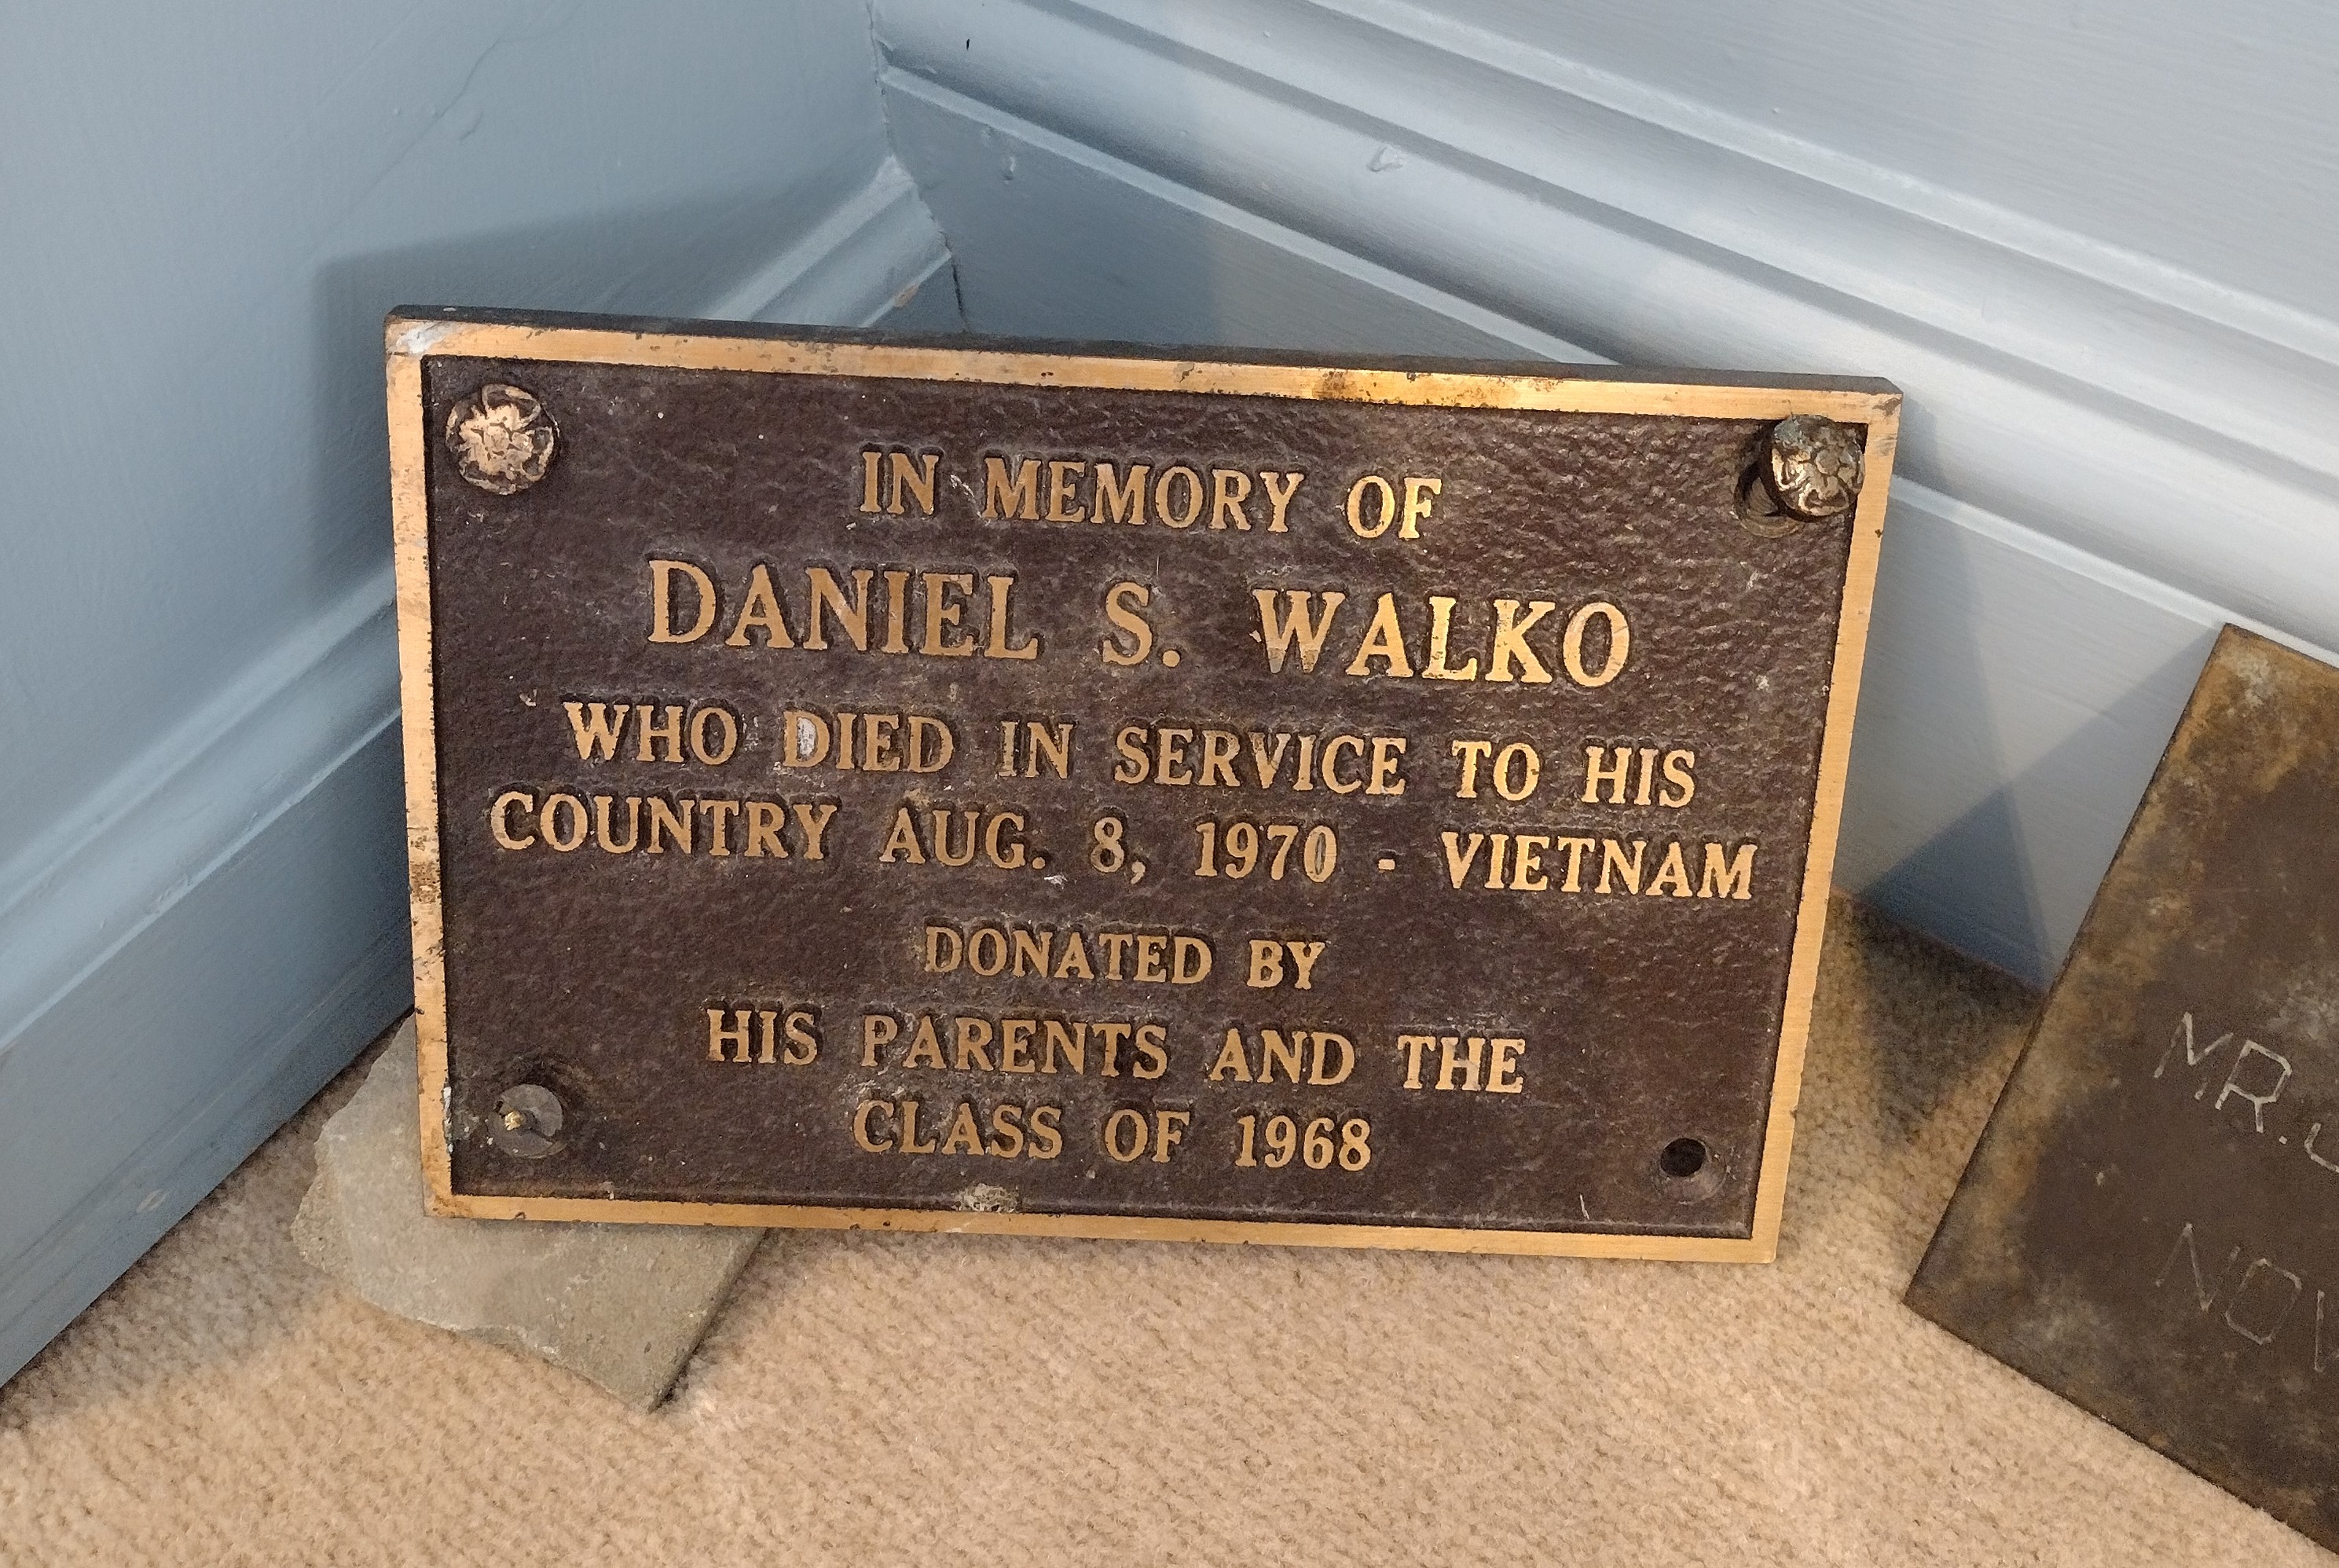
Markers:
948,1400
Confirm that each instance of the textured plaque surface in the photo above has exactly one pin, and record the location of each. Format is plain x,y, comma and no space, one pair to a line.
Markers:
2147,1226
1070,792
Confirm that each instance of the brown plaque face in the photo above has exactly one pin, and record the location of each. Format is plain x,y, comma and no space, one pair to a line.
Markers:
987,789
2144,1226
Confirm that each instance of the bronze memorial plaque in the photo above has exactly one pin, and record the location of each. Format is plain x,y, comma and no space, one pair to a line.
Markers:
2142,1226
979,787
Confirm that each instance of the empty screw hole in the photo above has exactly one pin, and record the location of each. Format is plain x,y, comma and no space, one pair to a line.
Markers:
1683,1158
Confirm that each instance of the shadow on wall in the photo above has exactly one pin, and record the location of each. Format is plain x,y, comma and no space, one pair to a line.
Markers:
2004,736
657,262
1325,184
255,899
1054,238
1974,810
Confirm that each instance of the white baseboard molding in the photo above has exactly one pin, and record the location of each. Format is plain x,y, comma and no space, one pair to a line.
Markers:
2019,687
225,923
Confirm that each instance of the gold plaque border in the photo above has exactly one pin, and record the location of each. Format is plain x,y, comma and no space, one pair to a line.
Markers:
411,338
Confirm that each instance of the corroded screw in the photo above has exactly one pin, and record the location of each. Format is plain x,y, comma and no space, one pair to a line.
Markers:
501,438
1813,467
527,1118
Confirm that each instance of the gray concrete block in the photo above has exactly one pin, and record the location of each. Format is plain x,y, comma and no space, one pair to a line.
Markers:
621,1305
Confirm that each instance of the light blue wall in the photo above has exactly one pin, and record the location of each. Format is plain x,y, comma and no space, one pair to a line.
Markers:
207,211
